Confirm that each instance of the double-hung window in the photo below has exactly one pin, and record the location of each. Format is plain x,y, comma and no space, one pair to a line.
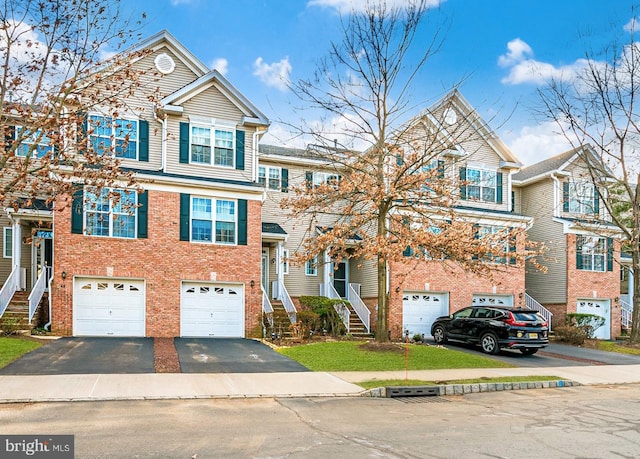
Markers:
110,212
7,248
481,185
204,138
580,198
311,267
320,178
270,177
592,253
213,220
503,245
119,137
35,144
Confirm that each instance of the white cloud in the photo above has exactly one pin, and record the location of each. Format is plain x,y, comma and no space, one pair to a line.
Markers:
359,6
221,65
631,26
532,144
275,75
524,69
182,2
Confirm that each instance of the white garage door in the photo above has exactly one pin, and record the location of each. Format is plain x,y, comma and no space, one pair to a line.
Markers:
492,300
420,310
215,310
598,308
108,307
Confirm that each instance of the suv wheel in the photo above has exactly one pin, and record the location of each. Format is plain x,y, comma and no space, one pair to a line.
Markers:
439,335
489,343
529,350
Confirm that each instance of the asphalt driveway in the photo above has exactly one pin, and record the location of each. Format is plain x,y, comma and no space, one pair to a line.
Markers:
135,355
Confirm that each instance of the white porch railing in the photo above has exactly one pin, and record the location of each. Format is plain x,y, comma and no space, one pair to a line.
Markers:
329,291
38,290
266,306
625,314
282,294
9,288
533,304
361,309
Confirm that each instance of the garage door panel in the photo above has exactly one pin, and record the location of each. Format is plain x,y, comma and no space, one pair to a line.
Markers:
108,307
600,308
492,300
420,309
212,310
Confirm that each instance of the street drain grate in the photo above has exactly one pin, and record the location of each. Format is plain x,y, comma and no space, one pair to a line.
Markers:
428,399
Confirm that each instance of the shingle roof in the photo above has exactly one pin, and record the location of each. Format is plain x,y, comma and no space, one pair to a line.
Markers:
545,166
272,228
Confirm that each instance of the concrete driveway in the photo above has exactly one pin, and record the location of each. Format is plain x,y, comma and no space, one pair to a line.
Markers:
86,356
231,355
135,355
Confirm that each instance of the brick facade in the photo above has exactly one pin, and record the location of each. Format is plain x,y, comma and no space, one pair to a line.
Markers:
460,285
162,260
591,284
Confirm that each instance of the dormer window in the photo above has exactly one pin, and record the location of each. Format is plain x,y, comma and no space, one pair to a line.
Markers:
213,145
120,134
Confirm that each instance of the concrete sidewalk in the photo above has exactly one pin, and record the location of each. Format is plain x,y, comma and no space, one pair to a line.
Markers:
41,388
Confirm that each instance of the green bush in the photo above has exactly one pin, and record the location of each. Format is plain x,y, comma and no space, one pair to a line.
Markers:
328,318
589,323
570,334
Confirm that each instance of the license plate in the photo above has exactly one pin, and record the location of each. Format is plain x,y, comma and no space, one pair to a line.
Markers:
533,335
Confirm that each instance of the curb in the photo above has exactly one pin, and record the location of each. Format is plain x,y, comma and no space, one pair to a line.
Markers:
461,389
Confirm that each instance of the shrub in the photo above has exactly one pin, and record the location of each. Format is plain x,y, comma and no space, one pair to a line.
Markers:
328,318
589,323
9,326
570,334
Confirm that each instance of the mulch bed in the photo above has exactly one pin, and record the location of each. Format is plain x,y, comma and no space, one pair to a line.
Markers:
165,356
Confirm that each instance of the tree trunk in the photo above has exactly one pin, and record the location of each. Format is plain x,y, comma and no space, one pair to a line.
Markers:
635,315
382,328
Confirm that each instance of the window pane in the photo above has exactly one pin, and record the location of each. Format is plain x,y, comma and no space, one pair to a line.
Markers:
201,230
124,226
201,208
98,224
225,210
489,194
262,176
473,192
8,242
223,157
489,178
124,201
200,145
274,178
225,232
473,176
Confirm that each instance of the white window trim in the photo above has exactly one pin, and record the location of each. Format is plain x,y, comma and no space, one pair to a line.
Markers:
212,124
482,169
267,169
313,264
213,200
86,211
593,241
7,229
584,207
323,177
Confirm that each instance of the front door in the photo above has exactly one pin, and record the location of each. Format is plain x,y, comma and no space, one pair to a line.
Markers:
264,273
340,279
41,254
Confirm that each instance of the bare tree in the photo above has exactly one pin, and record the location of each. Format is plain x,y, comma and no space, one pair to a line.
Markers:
394,197
61,59
596,110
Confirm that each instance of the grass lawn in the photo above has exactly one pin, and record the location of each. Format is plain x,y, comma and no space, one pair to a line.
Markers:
617,347
416,382
351,356
13,348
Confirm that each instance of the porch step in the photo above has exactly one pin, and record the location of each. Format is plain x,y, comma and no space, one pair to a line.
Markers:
16,316
356,327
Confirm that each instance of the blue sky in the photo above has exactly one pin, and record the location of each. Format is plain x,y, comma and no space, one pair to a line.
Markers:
491,44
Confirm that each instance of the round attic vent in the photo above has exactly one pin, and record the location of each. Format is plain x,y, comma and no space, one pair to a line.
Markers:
164,63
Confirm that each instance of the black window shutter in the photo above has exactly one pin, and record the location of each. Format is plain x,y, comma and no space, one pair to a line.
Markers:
596,204
440,169
242,222
143,214
240,150
185,212
82,139
499,188
143,147
579,243
285,180
399,160
9,137
463,187
184,144
309,178
77,210
408,251
609,254
565,196
512,246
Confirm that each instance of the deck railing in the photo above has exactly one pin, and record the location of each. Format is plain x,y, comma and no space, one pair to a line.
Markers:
329,291
38,291
282,294
533,304
625,314
353,295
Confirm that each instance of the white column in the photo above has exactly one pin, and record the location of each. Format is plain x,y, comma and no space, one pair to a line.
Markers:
630,287
17,249
279,263
326,264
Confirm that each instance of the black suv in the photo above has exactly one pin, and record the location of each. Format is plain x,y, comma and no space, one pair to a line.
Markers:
494,328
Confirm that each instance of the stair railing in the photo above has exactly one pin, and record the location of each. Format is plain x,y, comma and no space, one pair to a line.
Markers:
625,314
533,304
38,291
9,289
267,308
361,309
283,296
329,291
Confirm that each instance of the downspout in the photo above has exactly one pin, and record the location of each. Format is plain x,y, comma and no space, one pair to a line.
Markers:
256,138
556,188
163,140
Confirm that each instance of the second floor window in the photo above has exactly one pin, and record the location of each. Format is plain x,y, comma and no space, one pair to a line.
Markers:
270,177
35,144
213,220
580,198
118,137
110,212
504,247
594,253
211,145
